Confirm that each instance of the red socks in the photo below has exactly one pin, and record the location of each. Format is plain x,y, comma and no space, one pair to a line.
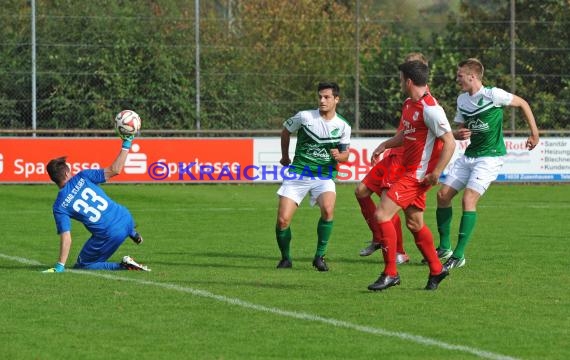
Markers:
389,239
367,207
424,242
399,238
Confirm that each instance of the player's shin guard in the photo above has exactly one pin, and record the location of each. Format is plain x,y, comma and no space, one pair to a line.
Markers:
468,220
424,242
324,231
283,237
444,216
399,236
389,239
367,208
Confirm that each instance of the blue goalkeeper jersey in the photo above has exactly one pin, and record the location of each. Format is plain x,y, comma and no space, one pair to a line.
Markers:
81,199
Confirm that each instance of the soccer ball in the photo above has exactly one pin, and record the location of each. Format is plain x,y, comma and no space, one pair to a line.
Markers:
127,122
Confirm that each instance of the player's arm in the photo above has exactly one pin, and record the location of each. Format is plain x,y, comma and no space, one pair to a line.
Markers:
285,141
117,166
64,247
395,141
533,139
461,133
446,154
341,153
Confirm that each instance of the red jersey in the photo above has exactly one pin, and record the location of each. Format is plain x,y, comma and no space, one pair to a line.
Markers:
422,122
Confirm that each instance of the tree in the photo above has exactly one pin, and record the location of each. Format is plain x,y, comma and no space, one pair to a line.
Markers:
261,60
278,52
481,29
15,65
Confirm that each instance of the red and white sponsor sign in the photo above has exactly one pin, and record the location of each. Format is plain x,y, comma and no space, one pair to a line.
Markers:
24,160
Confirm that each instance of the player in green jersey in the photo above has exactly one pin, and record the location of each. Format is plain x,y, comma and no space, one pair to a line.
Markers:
323,139
480,118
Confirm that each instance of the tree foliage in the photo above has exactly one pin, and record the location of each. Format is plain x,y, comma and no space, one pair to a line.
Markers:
261,60
482,30
279,51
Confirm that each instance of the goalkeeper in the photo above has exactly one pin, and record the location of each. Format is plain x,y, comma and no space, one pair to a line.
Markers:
109,223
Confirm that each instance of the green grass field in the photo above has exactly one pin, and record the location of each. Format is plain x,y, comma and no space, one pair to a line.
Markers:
214,292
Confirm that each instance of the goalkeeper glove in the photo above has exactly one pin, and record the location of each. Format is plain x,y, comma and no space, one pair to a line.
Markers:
58,268
127,141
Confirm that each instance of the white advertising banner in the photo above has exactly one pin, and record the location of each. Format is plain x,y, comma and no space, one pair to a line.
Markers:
548,162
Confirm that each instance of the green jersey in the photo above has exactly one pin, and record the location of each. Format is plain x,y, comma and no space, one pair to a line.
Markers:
315,139
482,113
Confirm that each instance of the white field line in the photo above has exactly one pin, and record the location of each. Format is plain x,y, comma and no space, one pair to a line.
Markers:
276,311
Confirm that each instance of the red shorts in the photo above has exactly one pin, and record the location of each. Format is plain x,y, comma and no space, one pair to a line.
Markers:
409,191
384,174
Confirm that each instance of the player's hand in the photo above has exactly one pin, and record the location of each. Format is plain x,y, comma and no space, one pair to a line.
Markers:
531,142
376,154
374,159
58,268
285,161
462,134
335,154
127,141
431,179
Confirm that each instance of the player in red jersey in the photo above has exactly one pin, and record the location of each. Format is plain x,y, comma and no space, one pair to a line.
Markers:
428,145
381,177
383,174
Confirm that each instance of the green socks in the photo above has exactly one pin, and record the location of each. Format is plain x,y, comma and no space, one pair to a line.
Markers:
284,241
324,231
443,216
466,227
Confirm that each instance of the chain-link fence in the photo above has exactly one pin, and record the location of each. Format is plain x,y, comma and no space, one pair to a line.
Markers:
242,67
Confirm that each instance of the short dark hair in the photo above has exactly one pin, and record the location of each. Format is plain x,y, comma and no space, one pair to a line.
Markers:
329,85
57,169
416,71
